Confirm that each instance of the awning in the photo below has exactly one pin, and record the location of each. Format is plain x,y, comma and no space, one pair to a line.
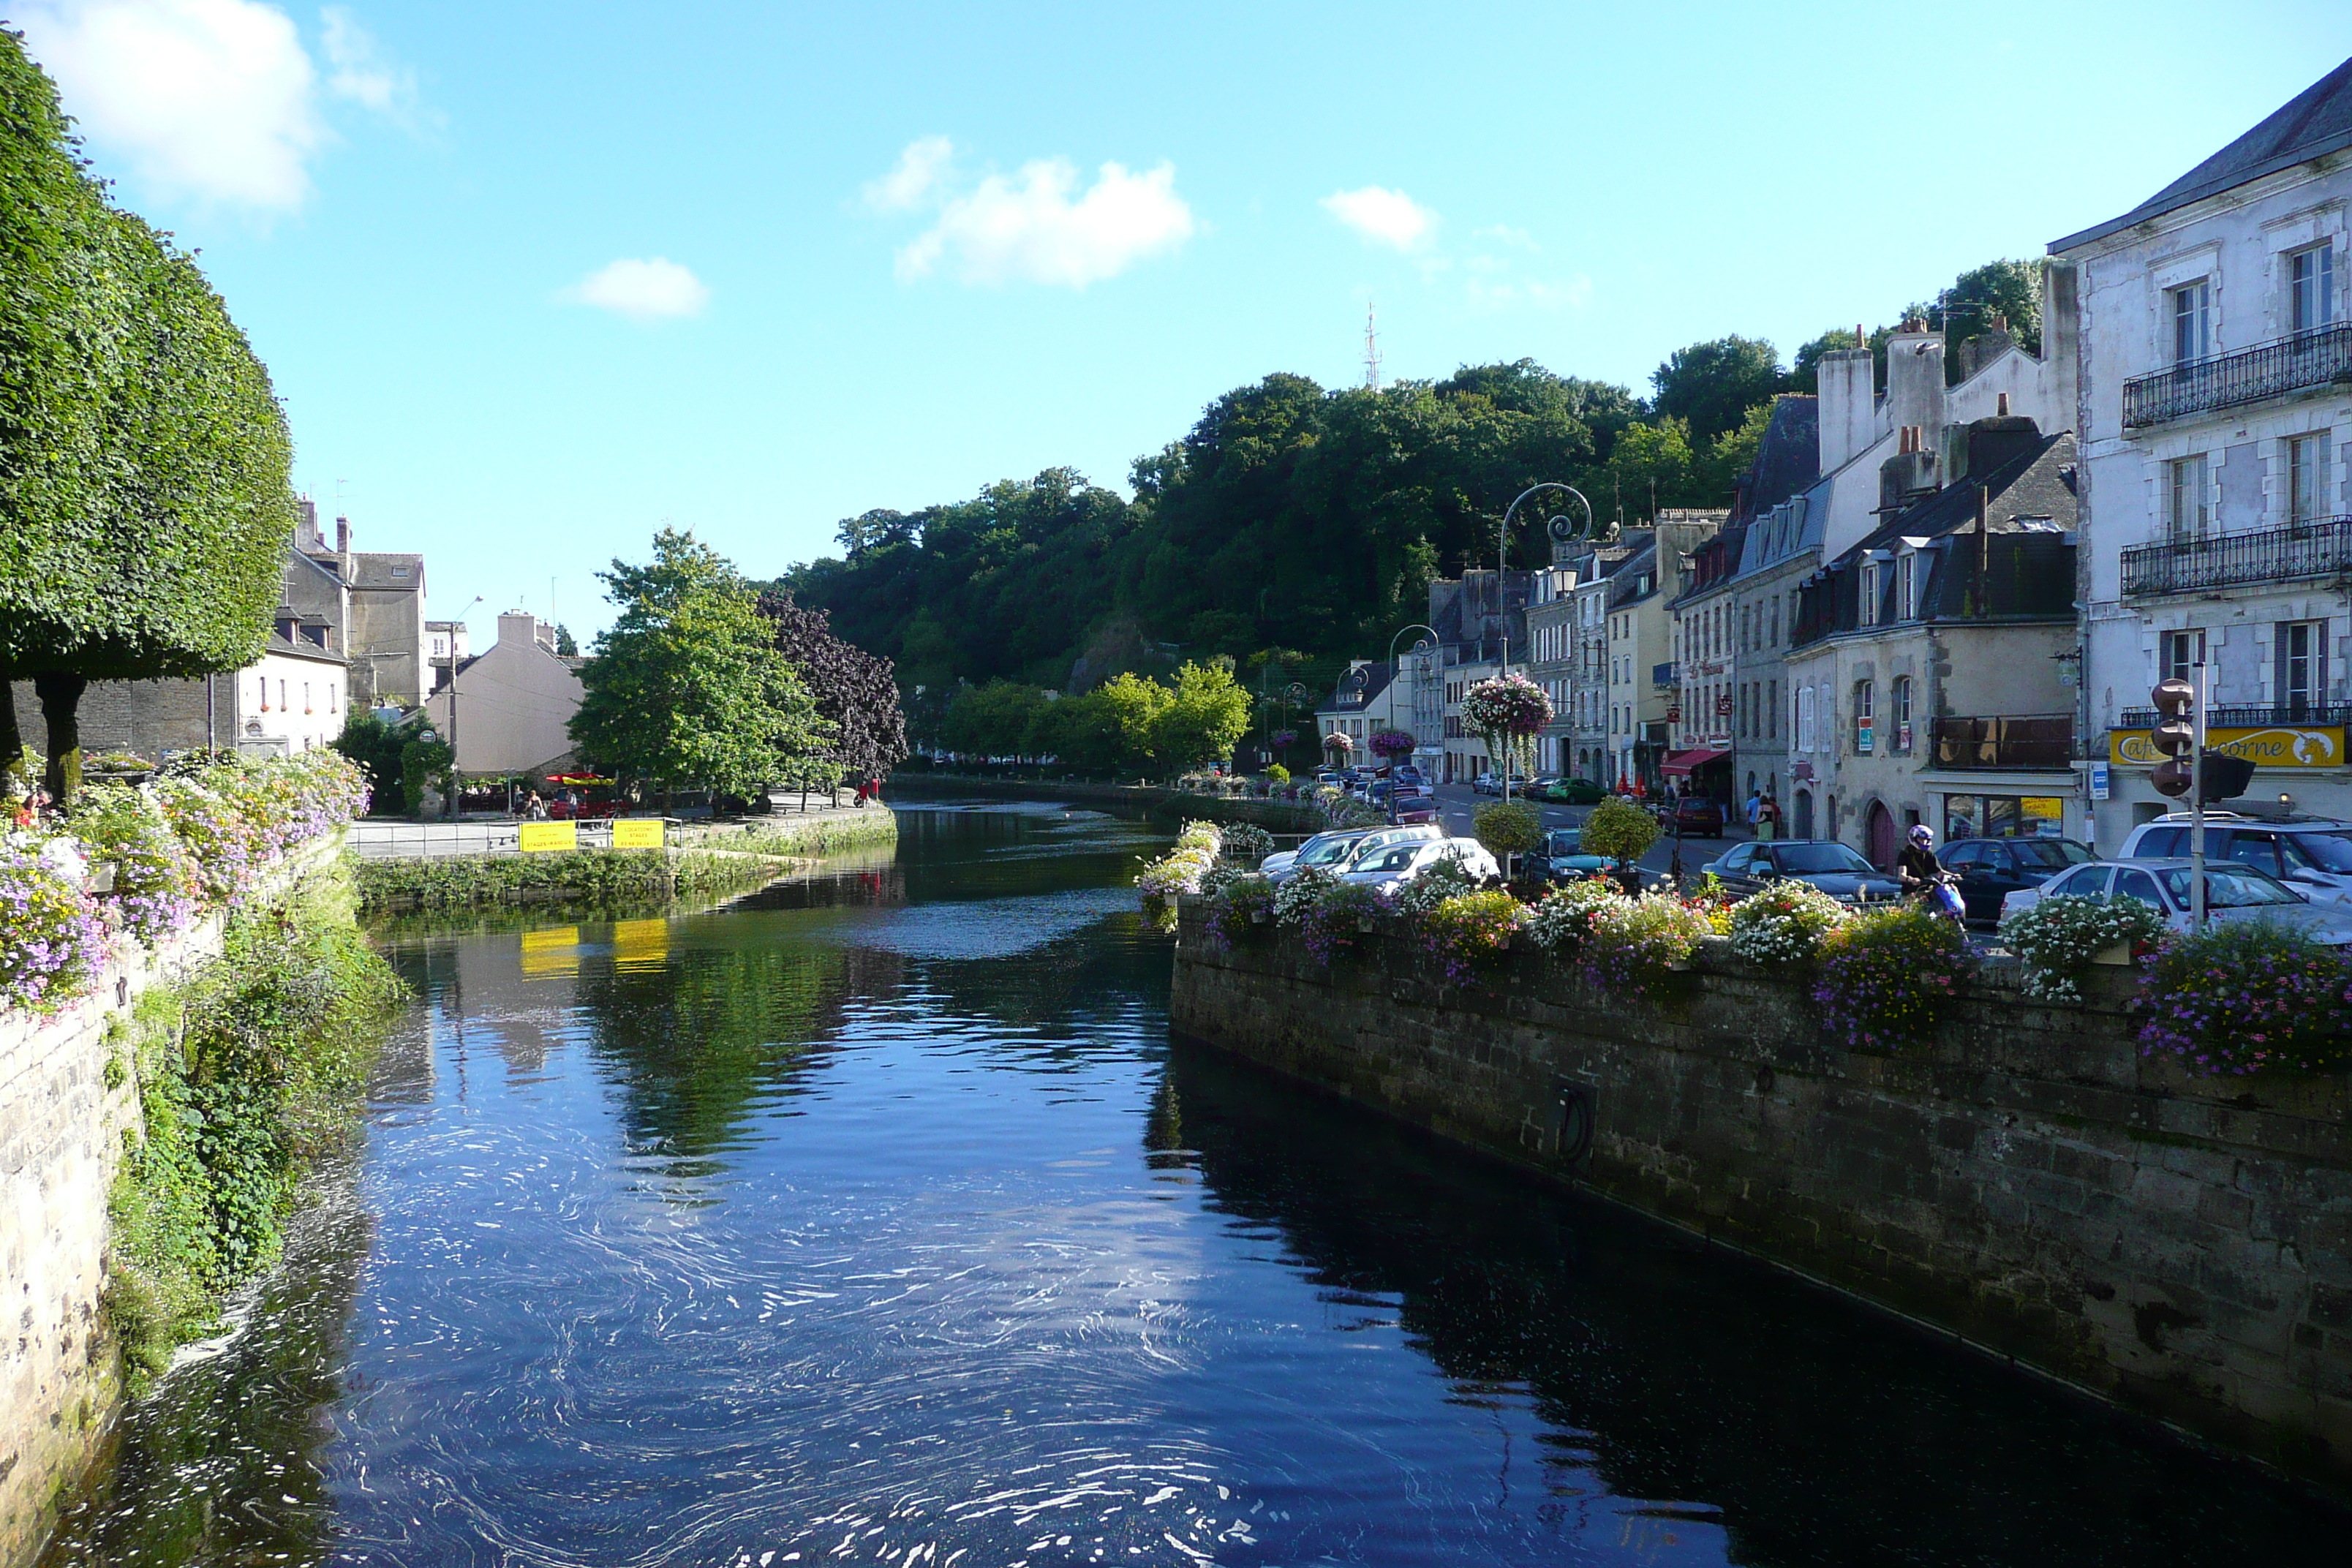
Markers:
1682,765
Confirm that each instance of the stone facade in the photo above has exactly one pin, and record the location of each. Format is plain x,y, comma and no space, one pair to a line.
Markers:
2029,1182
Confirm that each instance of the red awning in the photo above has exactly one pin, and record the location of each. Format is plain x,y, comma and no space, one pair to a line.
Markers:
1682,765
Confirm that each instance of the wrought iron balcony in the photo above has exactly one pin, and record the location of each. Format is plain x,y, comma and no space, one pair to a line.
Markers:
2026,741
2249,717
2318,358
2218,560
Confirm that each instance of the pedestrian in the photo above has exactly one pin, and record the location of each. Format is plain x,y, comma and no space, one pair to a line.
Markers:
1755,809
534,809
1768,820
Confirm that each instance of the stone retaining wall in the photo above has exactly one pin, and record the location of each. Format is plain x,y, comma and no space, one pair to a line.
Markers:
62,1127
2029,1182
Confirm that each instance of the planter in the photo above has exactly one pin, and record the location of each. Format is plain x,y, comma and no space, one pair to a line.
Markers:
2117,954
1364,922
1257,917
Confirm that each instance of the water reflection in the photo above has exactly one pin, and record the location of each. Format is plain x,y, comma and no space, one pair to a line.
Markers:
874,1218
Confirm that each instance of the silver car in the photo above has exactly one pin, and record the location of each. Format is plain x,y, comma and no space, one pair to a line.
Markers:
1332,851
2234,895
1390,867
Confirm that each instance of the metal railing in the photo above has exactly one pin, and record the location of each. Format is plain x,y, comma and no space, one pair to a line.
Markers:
2026,741
2318,358
2318,549
2249,717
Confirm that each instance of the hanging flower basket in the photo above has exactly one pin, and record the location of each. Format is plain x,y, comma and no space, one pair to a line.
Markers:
1391,743
1508,705
1283,739
1339,740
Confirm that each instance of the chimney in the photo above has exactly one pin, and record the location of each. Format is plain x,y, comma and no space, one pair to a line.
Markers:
1994,441
1848,410
342,536
1914,377
306,525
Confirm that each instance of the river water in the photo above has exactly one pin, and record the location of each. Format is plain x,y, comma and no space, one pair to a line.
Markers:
875,1219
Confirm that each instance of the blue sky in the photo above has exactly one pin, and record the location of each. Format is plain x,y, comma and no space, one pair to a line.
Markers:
536,279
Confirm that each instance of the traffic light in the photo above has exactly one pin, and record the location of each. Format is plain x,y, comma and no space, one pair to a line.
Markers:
2225,777
2175,734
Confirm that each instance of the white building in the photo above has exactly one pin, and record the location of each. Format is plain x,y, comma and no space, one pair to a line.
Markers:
509,711
2212,347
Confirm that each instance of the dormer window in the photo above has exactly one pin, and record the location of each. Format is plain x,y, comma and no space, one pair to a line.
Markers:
400,569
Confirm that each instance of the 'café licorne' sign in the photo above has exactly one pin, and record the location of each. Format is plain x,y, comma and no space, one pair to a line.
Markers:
2267,745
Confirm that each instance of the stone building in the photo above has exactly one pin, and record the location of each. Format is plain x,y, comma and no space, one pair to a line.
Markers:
1552,646
384,614
2210,360
1637,644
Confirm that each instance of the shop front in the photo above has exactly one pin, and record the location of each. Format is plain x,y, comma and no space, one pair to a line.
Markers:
2045,806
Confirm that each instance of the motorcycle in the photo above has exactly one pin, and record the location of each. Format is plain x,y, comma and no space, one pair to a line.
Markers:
1942,897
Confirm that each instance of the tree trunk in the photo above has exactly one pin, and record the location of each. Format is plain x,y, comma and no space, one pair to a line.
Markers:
60,698
12,739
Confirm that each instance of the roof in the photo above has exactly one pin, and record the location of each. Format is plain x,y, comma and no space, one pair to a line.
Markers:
1625,583
1788,459
280,645
376,569
2314,123
1377,678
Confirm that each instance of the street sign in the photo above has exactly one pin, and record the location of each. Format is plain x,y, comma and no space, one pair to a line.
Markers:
549,838
637,832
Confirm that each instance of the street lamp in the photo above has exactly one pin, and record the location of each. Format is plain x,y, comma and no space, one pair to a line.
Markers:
456,782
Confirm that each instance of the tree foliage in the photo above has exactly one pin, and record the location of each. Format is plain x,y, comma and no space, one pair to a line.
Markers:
2008,290
855,692
1711,386
145,494
1128,724
688,688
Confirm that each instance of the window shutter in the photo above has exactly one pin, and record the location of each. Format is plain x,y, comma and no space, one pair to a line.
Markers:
2319,664
2278,665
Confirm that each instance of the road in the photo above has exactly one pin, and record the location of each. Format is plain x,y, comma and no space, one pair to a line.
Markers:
1456,803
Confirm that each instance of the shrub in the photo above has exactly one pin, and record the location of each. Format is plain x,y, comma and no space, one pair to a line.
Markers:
2057,937
225,848
1335,921
1465,930
1301,891
155,881
1245,843
1507,827
52,940
1277,772
1442,878
1884,975
1562,923
1785,924
1236,907
1620,830
1635,942
2235,999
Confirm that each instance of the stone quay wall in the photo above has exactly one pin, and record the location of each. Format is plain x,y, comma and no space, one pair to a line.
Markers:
2028,1181
65,1100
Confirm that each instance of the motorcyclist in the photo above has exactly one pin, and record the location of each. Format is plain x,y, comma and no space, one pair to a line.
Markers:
1918,867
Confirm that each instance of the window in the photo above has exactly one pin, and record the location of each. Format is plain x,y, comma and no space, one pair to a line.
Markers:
2192,322
1906,597
1804,718
2180,654
2311,282
1900,694
2139,885
2306,478
1869,594
2301,665
1772,708
1865,715
306,697
2189,511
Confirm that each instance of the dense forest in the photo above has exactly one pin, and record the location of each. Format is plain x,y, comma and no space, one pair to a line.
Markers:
1296,525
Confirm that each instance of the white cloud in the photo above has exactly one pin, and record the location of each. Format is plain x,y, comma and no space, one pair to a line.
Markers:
644,290
215,99
1028,227
1383,216
921,170
1504,234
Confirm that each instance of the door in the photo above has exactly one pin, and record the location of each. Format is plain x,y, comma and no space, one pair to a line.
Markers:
1886,842
1804,813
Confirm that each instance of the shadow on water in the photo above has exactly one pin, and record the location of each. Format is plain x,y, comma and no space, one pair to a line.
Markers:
1811,1430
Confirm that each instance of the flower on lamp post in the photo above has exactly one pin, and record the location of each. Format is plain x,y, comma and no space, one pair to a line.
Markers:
1340,741
1507,713
1391,743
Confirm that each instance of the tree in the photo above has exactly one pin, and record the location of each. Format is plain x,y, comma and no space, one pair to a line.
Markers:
2011,290
145,494
377,747
1131,707
1620,830
1204,719
855,692
566,645
1712,386
688,688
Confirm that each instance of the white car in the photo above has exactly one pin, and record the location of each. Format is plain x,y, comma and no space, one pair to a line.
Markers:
1386,869
2234,895
1332,851
1381,839
2310,855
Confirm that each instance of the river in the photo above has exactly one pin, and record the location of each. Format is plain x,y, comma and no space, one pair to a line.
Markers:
875,1219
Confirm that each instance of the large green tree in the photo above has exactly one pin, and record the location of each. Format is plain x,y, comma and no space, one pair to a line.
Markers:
688,688
1712,386
1206,717
145,494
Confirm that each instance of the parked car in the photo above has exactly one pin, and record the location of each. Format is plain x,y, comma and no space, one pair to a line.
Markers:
1328,850
1696,815
1380,838
2234,895
1569,859
2314,855
1389,868
1576,792
1824,863
1488,784
1989,869
1539,787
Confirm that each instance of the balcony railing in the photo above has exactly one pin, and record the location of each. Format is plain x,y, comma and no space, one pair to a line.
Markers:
2027,741
2318,549
2249,717
2269,369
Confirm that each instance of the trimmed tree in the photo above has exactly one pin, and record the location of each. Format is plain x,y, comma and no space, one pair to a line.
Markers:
855,692
1205,717
688,690
145,468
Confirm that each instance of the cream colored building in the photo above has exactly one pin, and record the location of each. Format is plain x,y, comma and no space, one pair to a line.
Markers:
513,704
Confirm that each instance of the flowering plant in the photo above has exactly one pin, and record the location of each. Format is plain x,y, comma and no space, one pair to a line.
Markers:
1463,931
1507,713
226,848
1784,925
2056,938
1339,740
2237,998
1283,739
1243,900
1445,878
1391,743
1882,975
155,881
1634,943
1243,842
1178,871
1335,921
52,940
1562,923
1300,892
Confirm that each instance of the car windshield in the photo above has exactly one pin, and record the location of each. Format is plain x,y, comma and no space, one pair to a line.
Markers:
1324,853
2228,889
2048,854
2328,851
1564,841
1396,860
1806,859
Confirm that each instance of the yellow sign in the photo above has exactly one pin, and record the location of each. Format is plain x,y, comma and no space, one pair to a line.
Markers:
552,953
541,837
2269,746
637,833
640,944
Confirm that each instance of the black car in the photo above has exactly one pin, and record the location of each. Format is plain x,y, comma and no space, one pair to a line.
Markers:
1989,869
1834,868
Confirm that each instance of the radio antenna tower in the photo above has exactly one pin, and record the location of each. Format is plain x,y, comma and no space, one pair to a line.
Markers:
1371,349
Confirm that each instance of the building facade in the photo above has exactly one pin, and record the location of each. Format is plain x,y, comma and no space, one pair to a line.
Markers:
2211,339
508,712
1551,662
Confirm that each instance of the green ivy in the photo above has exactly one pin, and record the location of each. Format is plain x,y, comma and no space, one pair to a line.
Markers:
596,877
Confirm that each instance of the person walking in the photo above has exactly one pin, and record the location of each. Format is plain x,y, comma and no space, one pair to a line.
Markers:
1768,820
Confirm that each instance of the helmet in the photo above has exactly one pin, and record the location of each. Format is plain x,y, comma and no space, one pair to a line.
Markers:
1922,834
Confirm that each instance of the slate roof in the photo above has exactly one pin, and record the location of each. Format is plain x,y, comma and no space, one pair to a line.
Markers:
1625,582
1788,459
2315,122
373,569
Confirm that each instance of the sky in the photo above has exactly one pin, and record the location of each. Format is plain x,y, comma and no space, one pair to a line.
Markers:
535,281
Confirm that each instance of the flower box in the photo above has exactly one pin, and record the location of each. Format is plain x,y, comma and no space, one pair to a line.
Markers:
2117,954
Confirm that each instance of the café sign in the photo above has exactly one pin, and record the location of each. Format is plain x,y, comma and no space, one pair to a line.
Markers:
2266,745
